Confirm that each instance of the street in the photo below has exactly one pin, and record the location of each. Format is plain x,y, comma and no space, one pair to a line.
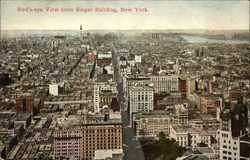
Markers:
131,146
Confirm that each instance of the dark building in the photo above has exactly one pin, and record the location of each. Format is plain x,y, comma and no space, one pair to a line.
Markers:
239,118
156,69
183,87
104,62
5,79
27,105
115,105
234,131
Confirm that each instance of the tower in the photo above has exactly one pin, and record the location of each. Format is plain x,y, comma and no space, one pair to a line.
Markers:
177,67
81,31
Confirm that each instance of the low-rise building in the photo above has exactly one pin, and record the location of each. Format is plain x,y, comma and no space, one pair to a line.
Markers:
150,124
186,136
110,154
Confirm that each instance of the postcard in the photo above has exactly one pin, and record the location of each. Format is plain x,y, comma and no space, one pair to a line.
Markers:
124,79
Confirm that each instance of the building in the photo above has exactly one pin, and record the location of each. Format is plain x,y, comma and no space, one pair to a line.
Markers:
110,154
165,83
210,104
204,121
187,136
193,157
138,59
106,97
141,99
102,87
183,87
81,34
104,59
196,98
130,81
54,89
34,145
191,86
5,79
25,105
68,143
115,105
91,57
7,143
234,138
103,62
81,143
181,113
101,136
150,124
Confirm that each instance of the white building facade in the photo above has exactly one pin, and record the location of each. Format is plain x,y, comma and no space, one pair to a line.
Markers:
141,99
187,136
165,83
102,87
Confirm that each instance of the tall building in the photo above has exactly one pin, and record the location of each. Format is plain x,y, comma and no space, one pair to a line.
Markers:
101,136
82,142
161,83
130,81
141,98
98,88
81,34
165,83
191,87
177,67
234,138
183,87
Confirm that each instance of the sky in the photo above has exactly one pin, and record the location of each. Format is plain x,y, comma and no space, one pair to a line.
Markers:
179,14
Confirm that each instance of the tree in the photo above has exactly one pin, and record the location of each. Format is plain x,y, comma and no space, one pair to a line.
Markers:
162,137
202,144
162,149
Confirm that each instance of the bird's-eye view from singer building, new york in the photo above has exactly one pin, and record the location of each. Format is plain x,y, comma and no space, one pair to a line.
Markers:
124,80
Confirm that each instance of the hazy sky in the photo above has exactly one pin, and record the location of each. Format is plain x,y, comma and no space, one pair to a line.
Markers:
162,15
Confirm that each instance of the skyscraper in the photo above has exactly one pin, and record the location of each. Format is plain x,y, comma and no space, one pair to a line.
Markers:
234,137
81,34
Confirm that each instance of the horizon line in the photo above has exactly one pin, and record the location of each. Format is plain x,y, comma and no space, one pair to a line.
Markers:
121,29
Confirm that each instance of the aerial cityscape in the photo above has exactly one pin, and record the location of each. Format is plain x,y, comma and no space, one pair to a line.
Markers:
124,94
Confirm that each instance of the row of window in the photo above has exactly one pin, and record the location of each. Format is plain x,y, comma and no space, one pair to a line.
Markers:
229,147
229,142
69,146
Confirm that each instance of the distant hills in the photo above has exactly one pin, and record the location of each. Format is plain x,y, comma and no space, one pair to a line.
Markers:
213,34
